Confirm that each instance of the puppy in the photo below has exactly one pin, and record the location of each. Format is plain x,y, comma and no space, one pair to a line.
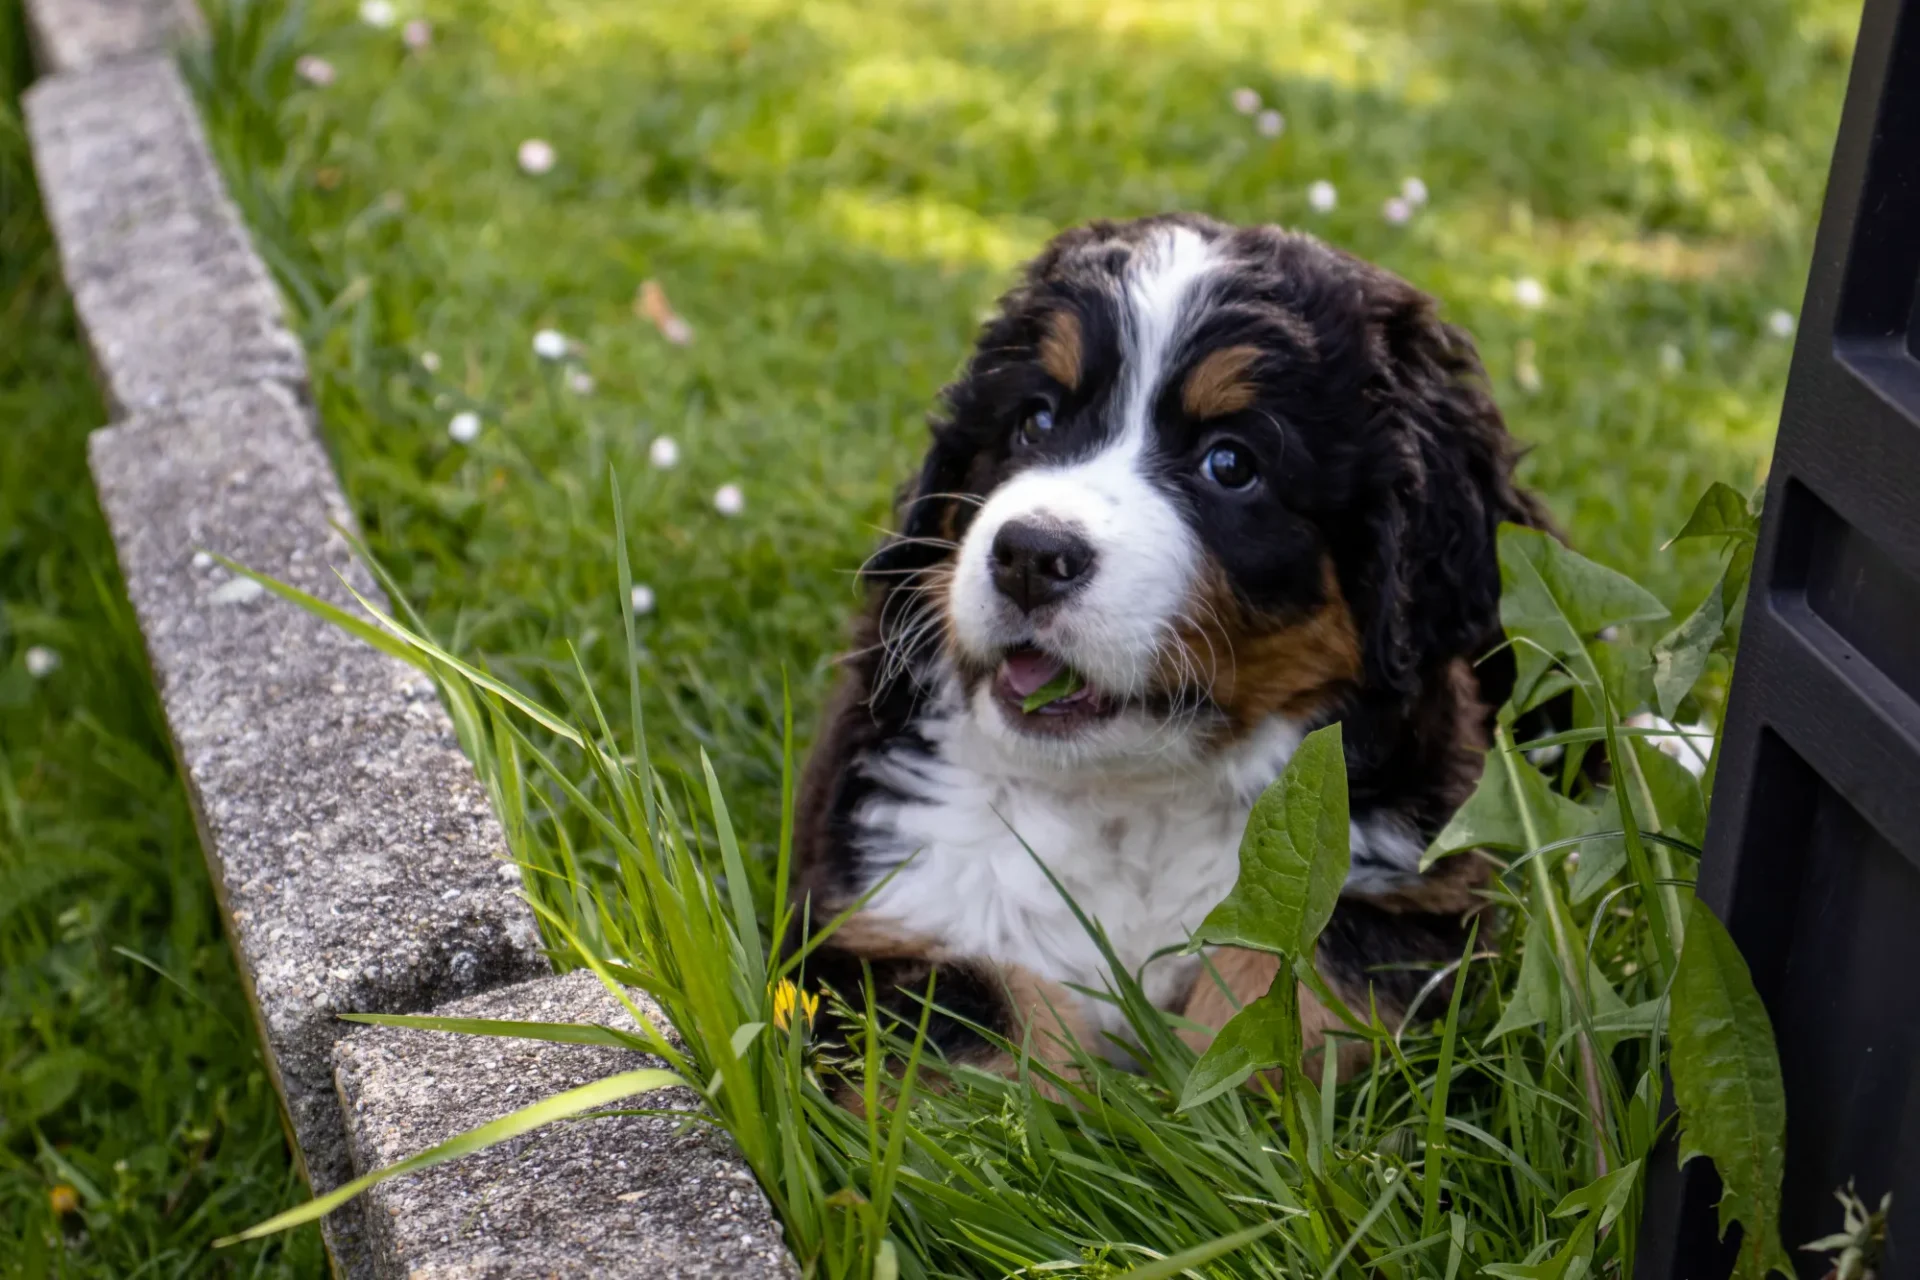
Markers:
1227,485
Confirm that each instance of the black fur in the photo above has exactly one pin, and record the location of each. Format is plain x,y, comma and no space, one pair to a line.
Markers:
1382,455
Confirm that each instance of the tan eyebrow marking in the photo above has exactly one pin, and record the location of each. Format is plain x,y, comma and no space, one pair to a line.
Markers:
1060,349
1219,384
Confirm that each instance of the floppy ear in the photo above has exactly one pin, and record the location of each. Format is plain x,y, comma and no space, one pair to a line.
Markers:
927,518
1429,591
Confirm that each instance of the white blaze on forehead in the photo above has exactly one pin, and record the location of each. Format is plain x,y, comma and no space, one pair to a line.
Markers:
1166,286
1145,555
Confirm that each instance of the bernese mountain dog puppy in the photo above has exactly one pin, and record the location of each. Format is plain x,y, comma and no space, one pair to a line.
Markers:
1199,490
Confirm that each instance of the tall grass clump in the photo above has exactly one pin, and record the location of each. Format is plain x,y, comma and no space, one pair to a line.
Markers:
1504,1131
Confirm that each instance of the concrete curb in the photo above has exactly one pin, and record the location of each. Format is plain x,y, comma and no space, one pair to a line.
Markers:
674,1201
358,863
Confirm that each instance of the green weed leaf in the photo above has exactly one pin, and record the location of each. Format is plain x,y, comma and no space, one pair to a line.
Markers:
1265,1033
1722,512
1553,601
1492,817
1606,1195
1064,685
1293,858
1681,655
1726,1080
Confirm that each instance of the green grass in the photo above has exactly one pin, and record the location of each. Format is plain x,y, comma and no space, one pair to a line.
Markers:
1507,1136
830,194
144,1094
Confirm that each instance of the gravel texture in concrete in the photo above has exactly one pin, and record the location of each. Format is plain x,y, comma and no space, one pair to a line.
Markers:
355,853
171,296
605,1197
78,35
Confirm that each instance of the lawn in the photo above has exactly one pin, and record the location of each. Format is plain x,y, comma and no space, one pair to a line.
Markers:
136,1118
1621,203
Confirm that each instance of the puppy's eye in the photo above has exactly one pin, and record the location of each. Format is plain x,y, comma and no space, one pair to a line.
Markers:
1230,465
1036,426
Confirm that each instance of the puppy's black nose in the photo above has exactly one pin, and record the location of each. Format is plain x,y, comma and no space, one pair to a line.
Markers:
1035,564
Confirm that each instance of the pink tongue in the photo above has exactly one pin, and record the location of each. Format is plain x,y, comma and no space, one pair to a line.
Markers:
1029,669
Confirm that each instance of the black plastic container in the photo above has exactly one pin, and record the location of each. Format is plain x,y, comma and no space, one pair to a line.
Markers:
1813,848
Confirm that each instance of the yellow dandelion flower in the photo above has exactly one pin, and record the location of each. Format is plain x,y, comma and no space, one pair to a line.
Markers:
785,997
63,1199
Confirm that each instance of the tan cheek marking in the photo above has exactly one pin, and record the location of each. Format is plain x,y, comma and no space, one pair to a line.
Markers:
1219,384
1253,670
1061,349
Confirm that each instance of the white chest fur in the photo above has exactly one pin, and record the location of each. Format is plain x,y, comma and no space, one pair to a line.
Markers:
1146,854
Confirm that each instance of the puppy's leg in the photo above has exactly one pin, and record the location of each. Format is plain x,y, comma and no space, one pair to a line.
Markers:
969,996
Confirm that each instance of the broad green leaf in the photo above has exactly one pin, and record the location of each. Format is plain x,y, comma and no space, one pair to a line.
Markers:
1549,683
1677,802
1265,1033
1721,513
1540,998
1533,1001
1627,671
1559,598
1607,1195
1601,859
1726,1080
1739,570
1491,817
1570,1263
1681,655
1293,858
561,1106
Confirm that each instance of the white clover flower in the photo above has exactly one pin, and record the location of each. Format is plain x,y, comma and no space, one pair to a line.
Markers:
1671,358
551,344
664,453
465,427
1690,744
1414,192
378,13
640,600
430,361
1526,373
536,156
42,662
580,382
417,34
1246,101
1396,210
316,71
1529,293
1322,196
1271,124
1780,324
728,500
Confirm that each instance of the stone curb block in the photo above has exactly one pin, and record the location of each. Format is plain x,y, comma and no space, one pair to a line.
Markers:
173,299
355,853
357,860
78,35
612,1196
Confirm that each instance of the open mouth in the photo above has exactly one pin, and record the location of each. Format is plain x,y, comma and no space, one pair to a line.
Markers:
1042,694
